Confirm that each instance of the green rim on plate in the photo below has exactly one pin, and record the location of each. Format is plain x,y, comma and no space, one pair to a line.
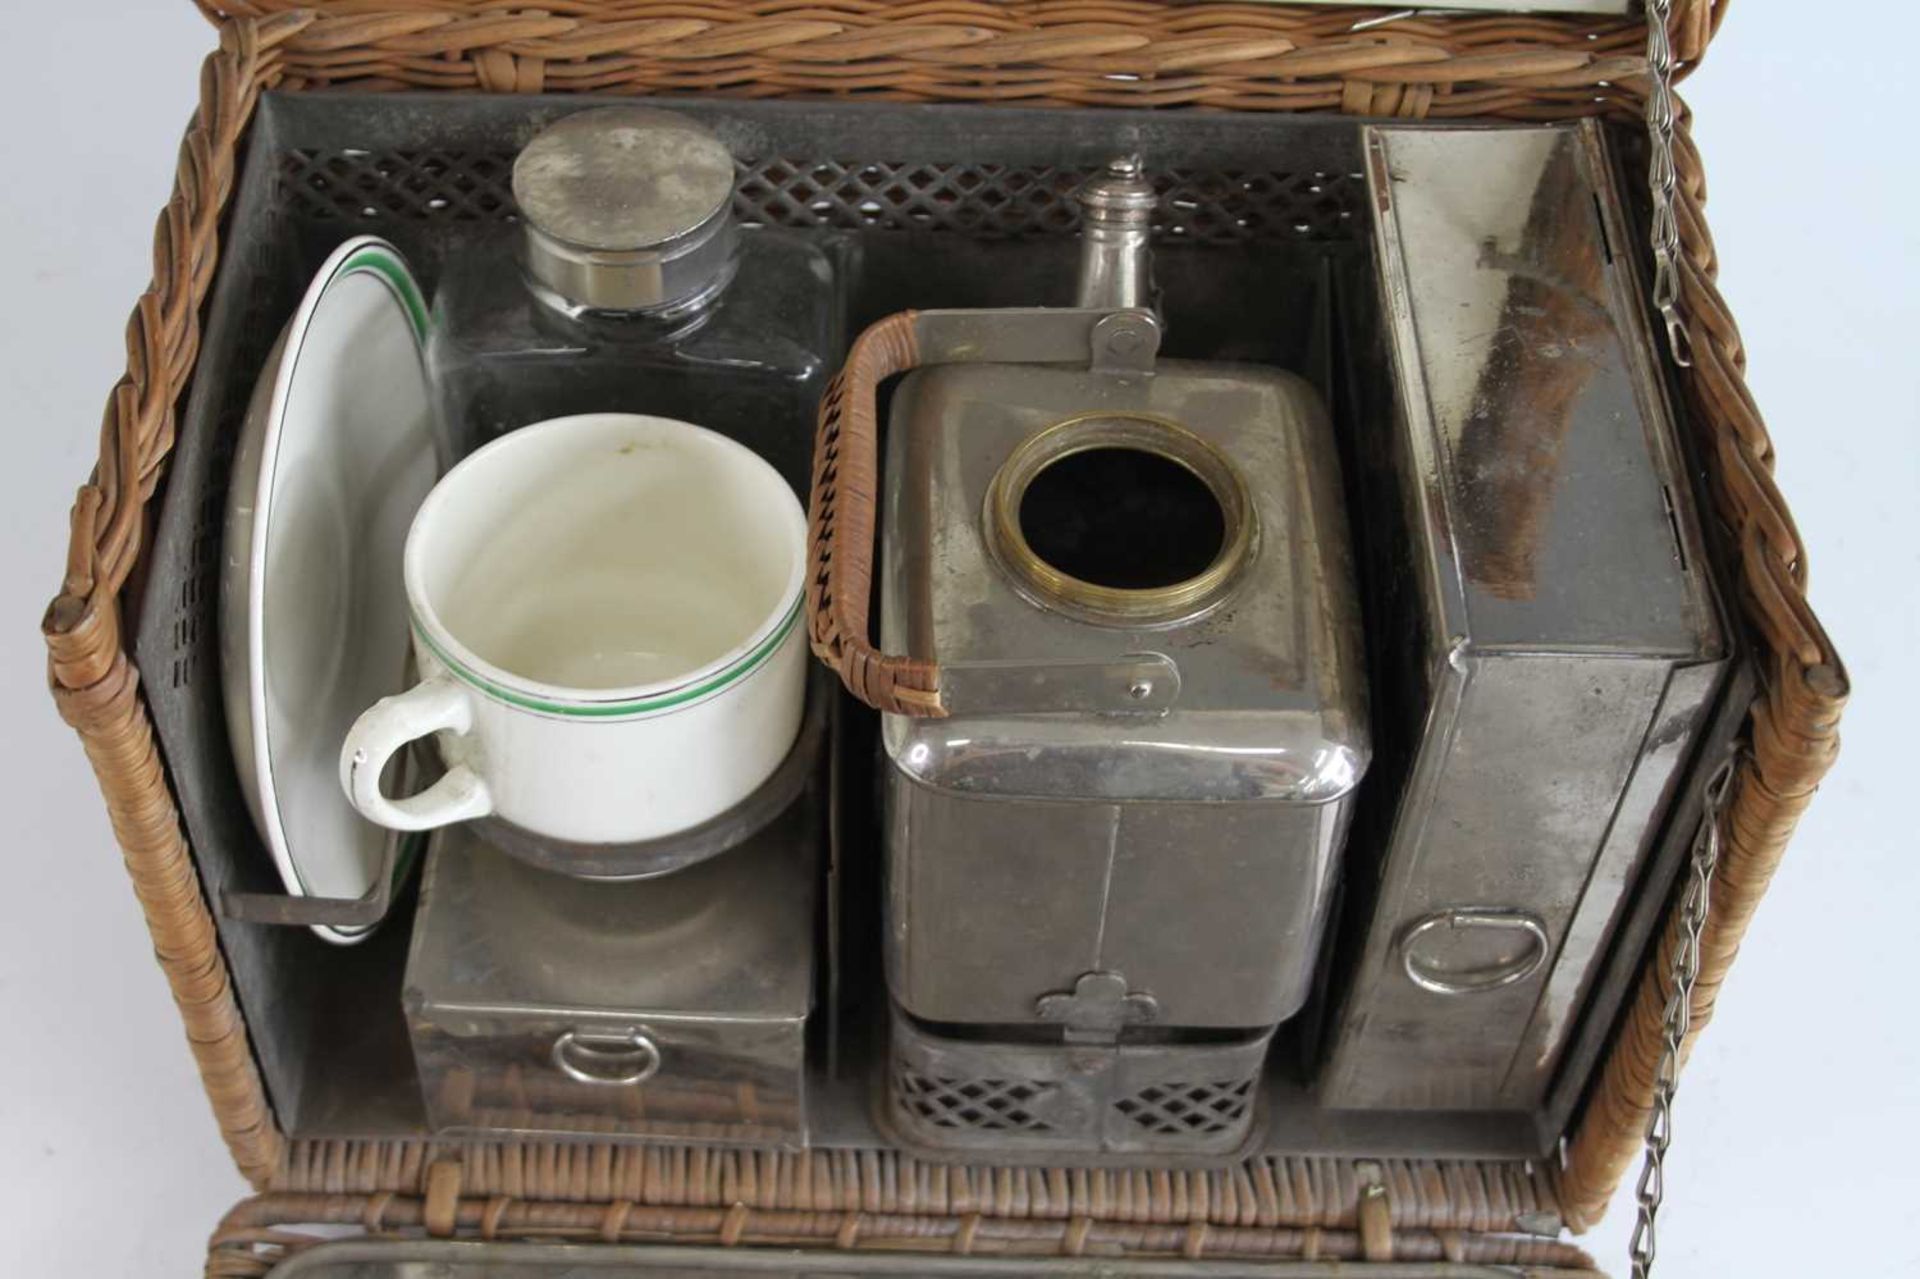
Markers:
291,853
381,261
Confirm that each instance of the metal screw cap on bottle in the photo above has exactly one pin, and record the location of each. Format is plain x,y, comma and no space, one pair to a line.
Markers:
627,209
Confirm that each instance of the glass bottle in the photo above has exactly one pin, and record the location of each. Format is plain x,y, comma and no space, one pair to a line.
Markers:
628,288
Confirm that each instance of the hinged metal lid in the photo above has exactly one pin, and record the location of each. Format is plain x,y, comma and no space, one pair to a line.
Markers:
732,936
1246,687
1544,462
627,208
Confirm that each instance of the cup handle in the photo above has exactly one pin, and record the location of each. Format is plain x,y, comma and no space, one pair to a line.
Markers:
389,725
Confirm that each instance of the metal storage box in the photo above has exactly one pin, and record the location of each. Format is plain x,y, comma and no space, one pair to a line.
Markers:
1185,854
671,1008
1568,647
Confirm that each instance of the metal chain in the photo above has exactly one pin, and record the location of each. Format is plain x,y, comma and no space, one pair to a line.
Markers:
1664,178
1704,860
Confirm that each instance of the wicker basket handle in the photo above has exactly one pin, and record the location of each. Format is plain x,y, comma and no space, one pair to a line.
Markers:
840,527
846,486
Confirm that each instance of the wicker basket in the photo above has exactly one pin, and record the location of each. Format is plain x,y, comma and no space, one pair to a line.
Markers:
1088,53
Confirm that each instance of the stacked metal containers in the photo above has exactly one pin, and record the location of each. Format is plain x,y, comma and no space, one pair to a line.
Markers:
1110,867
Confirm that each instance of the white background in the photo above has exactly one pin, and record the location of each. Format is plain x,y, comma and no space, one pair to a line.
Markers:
1799,1116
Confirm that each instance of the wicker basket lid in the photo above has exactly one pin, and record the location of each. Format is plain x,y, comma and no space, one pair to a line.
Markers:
1693,27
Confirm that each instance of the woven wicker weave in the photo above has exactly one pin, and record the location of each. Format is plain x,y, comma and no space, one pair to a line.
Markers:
1240,56
251,1238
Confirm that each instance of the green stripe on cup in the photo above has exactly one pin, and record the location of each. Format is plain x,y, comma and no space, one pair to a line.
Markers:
741,668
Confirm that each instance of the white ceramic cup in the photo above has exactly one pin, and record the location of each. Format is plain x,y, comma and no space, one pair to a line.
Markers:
606,616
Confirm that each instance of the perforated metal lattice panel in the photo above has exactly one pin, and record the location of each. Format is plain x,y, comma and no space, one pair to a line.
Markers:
414,186
1175,1109
980,200
976,1105
192,604
957,1092
1006,200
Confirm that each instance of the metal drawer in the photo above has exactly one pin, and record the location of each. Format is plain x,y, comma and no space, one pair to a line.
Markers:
716,1080
665,1008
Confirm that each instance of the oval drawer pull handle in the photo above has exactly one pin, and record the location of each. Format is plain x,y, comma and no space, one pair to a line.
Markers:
1474,981
611,1060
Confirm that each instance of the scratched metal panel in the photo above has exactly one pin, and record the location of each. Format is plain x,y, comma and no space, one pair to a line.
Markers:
1572,643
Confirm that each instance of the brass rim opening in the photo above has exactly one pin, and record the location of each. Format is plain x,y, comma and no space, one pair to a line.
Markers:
1050,587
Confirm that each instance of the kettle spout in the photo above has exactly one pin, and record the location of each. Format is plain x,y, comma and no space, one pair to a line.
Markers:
1116,214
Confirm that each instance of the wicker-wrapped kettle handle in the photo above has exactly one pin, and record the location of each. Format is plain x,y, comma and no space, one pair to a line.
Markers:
840,527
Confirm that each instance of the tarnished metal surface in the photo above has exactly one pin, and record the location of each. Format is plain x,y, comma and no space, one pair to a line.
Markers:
1133,812
998,1099
671,1007
1190,850
1271,704
627,208
1036,335
1116,269
1569,646
1213,909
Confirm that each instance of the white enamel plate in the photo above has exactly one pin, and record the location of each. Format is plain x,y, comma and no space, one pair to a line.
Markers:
336,454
